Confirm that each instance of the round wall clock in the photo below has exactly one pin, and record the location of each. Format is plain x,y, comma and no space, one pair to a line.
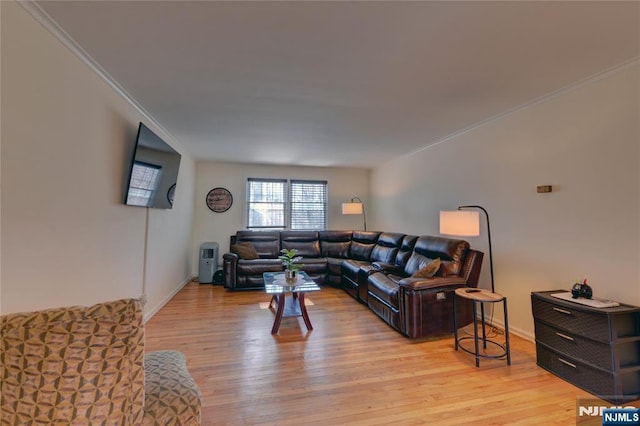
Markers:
171,194
219,200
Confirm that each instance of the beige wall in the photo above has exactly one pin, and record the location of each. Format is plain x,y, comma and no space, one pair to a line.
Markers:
67,138
585,142
343,184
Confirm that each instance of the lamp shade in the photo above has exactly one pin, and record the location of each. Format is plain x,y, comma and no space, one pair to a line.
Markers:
460,223
352,208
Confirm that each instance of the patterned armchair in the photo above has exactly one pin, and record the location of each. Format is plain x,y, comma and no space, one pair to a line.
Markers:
87,366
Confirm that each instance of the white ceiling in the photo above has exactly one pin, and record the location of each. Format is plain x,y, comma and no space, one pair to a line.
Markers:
341,83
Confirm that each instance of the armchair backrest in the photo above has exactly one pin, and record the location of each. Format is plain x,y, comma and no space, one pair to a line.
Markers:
406,248
305,242
451,252
335,243
362,243
73,365
267,243
386,247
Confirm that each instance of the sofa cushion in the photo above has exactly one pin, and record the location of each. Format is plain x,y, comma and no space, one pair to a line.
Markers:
384,288
334,265
258,266
267,243
351,268
314,265
429,270
305,242
362,244
406,248
415,263
386,247
245,250
335,243
66,364
450,251
360,251
383,254
335,249
390,239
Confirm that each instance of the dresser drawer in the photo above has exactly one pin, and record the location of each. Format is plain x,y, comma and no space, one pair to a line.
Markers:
578,322
573,371
575,346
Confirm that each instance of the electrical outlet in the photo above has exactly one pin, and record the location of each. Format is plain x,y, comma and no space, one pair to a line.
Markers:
441,296
143,299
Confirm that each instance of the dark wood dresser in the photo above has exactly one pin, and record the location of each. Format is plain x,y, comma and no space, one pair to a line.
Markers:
596,349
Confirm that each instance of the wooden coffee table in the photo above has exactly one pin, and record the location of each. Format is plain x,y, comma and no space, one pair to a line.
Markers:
288,298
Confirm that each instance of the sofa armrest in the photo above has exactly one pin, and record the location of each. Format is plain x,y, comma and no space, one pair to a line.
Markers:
231,257
426,305
171,395
435,283
388,268
229,267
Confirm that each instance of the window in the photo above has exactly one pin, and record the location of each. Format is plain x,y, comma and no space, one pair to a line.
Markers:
145,178
308,204
286,204
266,203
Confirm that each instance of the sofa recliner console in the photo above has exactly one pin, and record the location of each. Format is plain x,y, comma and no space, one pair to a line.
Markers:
375,268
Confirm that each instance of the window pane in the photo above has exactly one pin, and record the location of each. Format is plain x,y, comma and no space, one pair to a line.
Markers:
266,200
308,204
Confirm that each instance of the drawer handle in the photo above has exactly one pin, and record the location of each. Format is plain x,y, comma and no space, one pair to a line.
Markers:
564,336
567,363
562,311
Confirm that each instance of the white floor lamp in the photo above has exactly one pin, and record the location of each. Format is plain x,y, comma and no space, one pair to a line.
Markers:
356,206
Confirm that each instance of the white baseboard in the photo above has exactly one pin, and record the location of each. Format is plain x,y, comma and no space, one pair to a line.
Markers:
514,330
148,314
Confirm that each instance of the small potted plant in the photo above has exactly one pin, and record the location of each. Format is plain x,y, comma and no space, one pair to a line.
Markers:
290,261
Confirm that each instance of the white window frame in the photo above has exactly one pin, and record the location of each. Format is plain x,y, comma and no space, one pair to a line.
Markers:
290,187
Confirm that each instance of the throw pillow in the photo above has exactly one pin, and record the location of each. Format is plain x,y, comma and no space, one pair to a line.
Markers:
245,250
428,271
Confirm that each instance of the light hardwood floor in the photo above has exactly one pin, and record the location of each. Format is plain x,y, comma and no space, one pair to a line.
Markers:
351,369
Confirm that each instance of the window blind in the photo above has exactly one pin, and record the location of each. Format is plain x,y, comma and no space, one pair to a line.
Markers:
266,203
308,204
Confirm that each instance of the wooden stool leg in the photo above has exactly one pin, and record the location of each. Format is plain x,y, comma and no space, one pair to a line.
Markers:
455,322
475,332
484,333
506,332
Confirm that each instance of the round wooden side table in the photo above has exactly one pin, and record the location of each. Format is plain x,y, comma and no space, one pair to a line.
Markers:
479,296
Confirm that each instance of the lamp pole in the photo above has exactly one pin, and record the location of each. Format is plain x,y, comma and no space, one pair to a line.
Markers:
489,235
364,215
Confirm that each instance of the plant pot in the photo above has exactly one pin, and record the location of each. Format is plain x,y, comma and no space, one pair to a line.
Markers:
290,276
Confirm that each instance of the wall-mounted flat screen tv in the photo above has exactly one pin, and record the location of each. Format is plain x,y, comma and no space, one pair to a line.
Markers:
154,172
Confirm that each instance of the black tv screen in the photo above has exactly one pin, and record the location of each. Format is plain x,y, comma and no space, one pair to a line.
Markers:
154,172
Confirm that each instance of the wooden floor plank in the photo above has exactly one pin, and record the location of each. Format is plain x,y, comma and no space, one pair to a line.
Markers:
352,368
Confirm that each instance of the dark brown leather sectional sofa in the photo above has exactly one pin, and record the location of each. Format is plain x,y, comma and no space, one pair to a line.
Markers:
375,268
